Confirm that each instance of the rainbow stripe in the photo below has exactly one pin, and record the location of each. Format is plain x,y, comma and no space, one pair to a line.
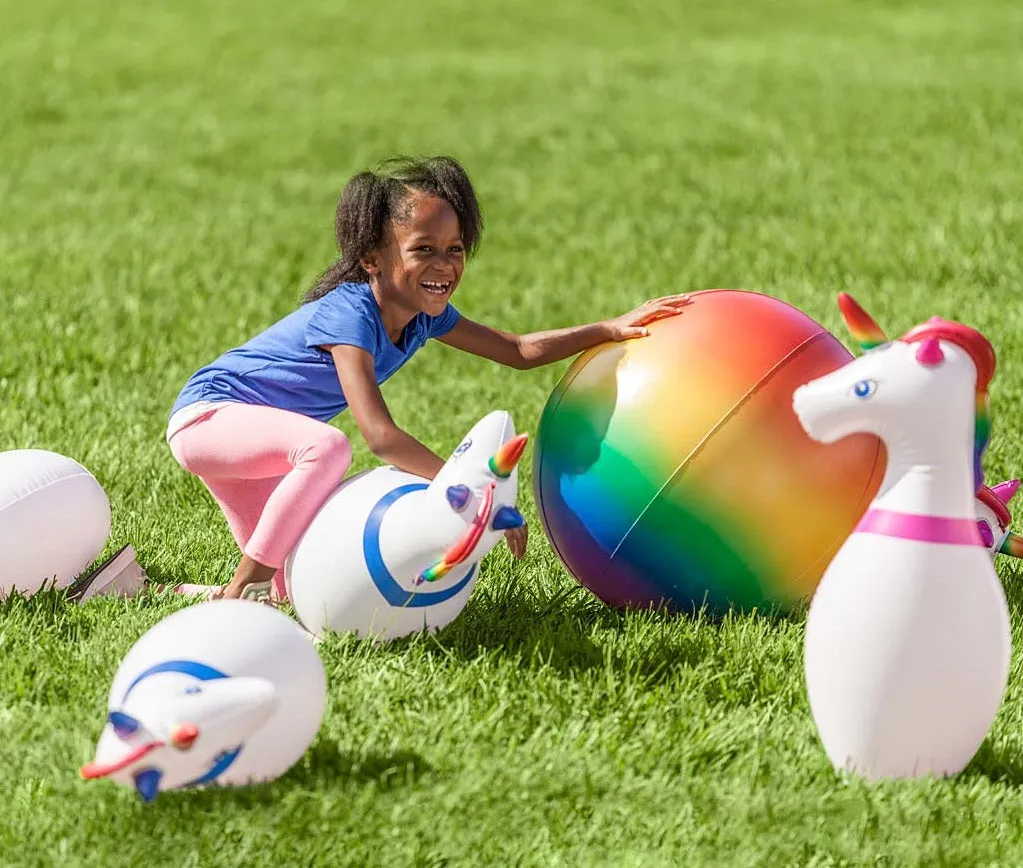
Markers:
862,327
1013,546
981,436
461,550
672,469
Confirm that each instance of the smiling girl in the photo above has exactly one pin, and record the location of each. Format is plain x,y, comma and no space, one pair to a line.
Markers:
252,425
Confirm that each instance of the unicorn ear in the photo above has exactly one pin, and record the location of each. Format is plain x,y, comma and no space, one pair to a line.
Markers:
1006,491
147,784
506,518
123,724
458,496
929,354
862,327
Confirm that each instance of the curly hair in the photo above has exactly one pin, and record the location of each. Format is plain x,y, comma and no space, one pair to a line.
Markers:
371,199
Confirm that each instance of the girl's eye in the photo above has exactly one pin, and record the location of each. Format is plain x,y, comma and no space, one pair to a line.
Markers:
864,388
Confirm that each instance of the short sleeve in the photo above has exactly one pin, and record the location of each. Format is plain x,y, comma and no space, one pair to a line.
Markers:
441,325
342,318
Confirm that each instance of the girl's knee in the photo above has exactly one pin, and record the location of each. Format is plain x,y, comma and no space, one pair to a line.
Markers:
330,448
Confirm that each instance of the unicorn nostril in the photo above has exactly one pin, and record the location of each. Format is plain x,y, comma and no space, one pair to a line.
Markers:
184,736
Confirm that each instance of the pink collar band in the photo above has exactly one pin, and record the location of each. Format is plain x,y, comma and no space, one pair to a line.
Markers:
921,528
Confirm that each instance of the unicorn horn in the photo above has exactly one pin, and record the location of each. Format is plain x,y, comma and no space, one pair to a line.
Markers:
504,460
862,327
1006,491
1012,545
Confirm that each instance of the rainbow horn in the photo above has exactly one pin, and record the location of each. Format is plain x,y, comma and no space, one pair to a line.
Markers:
1012,545
503,462
1006,491
862,327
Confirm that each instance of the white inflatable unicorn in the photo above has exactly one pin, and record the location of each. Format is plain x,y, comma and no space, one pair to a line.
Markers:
226,693
391,554
907,639
993,516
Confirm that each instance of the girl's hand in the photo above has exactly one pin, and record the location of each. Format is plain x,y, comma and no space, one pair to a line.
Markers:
516,539
633,324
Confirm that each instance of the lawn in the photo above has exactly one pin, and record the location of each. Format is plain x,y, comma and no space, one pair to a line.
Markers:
168,176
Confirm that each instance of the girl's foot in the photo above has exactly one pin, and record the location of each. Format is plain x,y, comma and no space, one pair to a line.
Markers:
258,592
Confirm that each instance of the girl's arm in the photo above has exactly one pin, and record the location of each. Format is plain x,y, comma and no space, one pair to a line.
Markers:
541,348
383,437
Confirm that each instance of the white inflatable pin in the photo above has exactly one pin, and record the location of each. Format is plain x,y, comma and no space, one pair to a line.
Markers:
224,693
54,520
391,554
907,639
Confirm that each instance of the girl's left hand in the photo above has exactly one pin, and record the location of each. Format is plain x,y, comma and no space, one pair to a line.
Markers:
633,324
516,539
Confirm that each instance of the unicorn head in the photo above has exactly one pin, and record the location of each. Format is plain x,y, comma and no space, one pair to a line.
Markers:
993,518
479,485
925,394
180,724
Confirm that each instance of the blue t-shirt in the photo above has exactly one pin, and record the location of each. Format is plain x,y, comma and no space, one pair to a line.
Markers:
283,367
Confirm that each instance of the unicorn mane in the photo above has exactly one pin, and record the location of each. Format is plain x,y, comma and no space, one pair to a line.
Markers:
980,351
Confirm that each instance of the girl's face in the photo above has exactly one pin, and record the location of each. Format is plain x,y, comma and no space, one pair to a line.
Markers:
421,260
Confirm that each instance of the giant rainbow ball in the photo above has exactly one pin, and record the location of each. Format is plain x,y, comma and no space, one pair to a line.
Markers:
670,470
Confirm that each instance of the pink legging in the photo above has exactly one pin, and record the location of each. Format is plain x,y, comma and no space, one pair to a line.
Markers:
269,470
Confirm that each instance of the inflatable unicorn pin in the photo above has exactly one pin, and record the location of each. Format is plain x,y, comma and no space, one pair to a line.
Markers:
993,516
907,638
224,693
391,554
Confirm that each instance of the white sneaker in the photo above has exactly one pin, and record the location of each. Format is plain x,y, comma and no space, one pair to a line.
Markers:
120,575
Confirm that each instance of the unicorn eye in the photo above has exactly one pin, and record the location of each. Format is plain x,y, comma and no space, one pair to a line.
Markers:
192,690
864,388
986,534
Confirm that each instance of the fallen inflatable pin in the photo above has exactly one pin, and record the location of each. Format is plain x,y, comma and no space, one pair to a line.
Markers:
390,553
223,693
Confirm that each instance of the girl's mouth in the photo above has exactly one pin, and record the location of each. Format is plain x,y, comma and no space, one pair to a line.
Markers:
435,287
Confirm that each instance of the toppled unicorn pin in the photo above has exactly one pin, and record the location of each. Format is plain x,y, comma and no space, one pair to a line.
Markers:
907,638
994,518
391,553
223,693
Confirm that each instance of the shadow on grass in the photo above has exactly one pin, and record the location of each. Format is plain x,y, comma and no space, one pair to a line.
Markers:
324,768
571,631
1000,764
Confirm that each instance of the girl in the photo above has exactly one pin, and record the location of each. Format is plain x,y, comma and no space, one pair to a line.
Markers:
252,425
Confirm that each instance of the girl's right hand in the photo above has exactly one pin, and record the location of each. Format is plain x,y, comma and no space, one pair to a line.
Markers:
633,324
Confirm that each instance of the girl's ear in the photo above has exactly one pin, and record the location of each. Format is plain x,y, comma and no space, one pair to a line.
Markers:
371,262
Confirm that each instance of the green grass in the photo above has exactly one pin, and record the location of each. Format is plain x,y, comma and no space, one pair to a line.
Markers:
168,173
